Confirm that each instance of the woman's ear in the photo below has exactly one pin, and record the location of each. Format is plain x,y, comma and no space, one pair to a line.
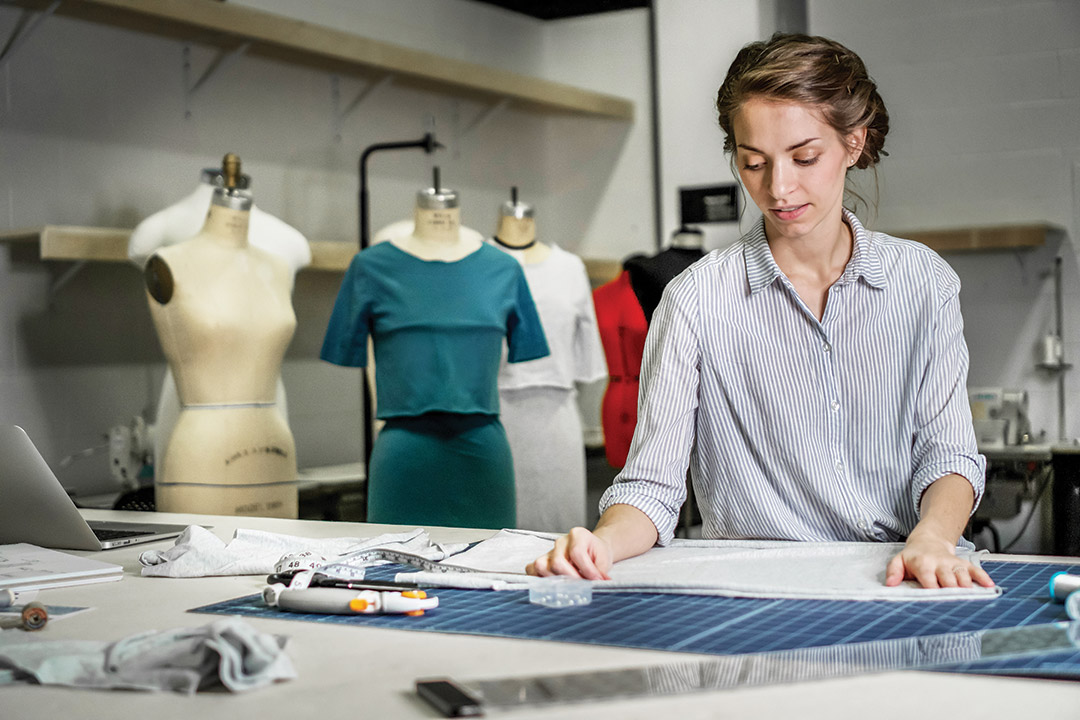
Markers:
855,141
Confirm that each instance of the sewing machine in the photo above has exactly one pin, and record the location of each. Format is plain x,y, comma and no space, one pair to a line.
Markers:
1000,416
131,454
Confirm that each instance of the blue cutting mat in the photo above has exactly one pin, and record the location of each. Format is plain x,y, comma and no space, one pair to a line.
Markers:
716,625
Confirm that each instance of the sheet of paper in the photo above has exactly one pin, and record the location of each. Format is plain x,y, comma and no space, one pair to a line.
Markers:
29,567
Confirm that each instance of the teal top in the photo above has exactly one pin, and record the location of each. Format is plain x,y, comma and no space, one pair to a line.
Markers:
438,327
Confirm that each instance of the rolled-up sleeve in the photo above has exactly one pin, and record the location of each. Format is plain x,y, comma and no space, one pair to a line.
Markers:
944,441
654,477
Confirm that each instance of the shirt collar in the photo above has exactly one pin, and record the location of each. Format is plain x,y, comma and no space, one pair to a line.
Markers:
865,262
865,259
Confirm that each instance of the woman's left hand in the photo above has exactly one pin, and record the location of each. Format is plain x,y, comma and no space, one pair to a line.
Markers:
932,562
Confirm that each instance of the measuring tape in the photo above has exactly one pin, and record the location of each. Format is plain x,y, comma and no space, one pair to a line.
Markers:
302,568
370,557
459,698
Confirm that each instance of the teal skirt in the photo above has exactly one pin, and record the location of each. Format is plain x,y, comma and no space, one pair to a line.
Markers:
444,469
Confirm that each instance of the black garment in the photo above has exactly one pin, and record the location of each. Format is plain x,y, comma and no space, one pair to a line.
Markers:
650,275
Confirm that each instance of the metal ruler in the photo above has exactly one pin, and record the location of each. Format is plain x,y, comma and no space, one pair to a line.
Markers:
459,698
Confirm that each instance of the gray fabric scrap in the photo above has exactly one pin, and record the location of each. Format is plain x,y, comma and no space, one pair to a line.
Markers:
227,653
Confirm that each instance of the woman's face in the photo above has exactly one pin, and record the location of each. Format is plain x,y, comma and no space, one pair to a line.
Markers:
793,165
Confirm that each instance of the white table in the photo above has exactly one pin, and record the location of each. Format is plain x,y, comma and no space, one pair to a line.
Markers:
361,672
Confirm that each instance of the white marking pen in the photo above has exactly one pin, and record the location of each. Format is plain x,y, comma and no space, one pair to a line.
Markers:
11,598
342,601
1062,585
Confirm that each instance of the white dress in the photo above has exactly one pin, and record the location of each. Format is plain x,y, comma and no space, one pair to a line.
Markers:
537,399
182,221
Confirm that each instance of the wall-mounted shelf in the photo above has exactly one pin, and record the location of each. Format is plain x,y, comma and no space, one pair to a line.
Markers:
230,27
81,244
997,237
70,242
969,239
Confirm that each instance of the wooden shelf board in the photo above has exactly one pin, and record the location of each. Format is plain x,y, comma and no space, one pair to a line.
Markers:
228,26
70,242
601,271
331,256
998,237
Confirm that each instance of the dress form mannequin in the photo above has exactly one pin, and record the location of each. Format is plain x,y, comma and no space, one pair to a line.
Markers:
538,399
650,275
402,228
623,329
223,313
180,222
438,307
516,232
436,231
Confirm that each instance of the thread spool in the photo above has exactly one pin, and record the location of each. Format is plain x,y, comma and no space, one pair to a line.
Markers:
271,593
1062,585
1052,351
34,616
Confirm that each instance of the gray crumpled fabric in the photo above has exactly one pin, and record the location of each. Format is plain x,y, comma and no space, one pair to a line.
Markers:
200,553
228,653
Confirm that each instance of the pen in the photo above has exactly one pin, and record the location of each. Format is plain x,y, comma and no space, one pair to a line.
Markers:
342,601
325,581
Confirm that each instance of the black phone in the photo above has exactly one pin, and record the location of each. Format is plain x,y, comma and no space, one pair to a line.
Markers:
448,698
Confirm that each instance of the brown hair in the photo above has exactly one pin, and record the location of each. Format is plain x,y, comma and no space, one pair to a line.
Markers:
811,70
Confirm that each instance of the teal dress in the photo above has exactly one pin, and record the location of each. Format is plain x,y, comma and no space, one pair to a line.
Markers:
438,329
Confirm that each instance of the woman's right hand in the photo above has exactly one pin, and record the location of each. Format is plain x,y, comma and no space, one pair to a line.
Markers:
579,554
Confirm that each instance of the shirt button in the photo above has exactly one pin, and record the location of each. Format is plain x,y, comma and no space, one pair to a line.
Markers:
862,524
839,466
835,405
826,347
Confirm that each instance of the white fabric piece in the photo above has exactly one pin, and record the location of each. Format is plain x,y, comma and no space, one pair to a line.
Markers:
200,553
732,568
538,407
559,285
544,430
228,652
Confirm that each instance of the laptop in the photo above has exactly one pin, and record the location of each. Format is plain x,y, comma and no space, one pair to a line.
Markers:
35,508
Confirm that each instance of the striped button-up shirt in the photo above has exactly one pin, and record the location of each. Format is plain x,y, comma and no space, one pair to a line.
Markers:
795,429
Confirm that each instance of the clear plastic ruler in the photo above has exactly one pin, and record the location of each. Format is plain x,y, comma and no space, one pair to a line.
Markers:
457,698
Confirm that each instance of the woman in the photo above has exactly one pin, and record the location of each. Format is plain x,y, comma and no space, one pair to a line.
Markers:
813,374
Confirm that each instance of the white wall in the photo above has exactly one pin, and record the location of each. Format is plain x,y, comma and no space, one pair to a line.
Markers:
457,29
696,42
598,174
94,131
984,101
